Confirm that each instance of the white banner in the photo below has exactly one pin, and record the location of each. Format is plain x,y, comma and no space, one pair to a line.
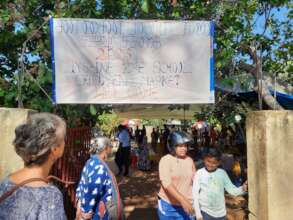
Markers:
132,61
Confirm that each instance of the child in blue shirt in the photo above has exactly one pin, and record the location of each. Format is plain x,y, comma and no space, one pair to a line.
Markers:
208,188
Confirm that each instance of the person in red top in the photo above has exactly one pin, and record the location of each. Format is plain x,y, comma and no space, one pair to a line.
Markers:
176,171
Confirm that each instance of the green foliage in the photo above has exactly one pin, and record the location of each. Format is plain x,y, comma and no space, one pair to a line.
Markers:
93,110
18,21
81,115
227,107
153,122
145,6
107,122
235,24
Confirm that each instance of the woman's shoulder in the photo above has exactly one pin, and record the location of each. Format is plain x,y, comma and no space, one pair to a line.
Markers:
42,201
166,160
53,189
47,192
167,157
93,162
95,166
189,159
7,184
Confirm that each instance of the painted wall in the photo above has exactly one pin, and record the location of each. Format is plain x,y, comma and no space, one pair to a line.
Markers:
270,163
10,118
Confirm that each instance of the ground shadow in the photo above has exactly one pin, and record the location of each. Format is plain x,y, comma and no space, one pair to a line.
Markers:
139,194
143,214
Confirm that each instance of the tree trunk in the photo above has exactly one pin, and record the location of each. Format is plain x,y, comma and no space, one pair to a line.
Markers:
270,100
266,96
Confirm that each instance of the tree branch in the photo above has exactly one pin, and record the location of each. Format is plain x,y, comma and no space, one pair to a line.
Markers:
267,15
266,94
247,68
3,83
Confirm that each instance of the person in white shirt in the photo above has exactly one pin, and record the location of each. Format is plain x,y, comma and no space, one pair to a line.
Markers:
208,188
124,148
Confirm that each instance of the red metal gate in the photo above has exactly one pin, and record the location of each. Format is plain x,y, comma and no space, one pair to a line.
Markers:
69,167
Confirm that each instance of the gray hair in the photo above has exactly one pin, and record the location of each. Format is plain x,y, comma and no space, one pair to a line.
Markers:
99,143
35,138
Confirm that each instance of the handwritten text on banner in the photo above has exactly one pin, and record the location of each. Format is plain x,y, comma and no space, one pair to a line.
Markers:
132,61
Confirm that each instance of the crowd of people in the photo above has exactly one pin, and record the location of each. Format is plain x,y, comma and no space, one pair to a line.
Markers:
210,136
187,191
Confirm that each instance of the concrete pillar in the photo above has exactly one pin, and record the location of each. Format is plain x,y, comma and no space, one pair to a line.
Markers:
270,164
10,118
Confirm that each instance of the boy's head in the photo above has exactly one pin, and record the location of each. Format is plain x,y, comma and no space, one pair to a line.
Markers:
212,159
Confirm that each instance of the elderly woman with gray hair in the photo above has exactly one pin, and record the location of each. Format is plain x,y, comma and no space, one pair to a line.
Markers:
25,194
97,192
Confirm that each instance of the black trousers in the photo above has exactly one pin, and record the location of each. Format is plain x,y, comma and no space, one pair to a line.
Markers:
125,160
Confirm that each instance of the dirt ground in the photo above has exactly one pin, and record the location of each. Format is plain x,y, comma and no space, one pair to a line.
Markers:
139,194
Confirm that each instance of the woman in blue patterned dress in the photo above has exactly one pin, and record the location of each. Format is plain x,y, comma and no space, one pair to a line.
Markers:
39,142
97,187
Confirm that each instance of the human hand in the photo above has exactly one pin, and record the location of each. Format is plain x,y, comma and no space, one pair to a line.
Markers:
186,205
245,186
84,216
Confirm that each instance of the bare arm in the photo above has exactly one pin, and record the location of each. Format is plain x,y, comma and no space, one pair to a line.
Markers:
169,188
231,188
195,192
173,192
80,215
